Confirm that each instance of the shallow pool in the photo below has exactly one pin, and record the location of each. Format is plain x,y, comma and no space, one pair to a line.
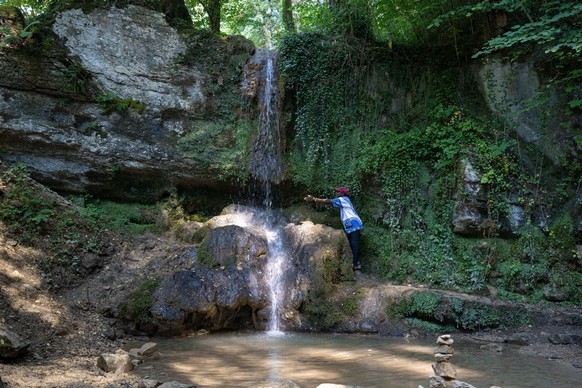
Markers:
256,359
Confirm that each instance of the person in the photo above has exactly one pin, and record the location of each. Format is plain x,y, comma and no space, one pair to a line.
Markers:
351,221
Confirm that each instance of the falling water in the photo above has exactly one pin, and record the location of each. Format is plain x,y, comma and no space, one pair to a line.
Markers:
266,162
277,258
266,167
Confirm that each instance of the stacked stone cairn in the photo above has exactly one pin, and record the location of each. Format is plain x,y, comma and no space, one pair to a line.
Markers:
445,372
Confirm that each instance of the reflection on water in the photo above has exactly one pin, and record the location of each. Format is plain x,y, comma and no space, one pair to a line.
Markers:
255,359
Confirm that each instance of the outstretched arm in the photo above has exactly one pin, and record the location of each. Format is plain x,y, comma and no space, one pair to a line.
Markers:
311,198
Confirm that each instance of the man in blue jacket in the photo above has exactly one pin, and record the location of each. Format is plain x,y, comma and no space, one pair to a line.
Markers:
350,219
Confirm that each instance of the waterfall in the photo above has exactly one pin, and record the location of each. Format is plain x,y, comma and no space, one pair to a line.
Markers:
266,160
277,259
266,166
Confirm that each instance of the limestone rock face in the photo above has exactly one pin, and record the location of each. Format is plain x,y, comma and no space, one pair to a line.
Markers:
112,110
508,88
233,244
131,51
471,216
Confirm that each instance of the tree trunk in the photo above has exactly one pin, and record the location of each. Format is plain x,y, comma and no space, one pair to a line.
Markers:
212,9
176,13
288,21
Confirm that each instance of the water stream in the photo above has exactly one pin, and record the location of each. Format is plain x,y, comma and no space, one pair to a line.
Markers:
277,259
258,360
266,167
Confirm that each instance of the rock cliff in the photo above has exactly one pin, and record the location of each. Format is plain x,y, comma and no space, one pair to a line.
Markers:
119,104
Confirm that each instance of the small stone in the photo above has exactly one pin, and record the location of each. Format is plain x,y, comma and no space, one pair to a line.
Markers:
445,340
444,349
445,370
149,383
442,357
492,347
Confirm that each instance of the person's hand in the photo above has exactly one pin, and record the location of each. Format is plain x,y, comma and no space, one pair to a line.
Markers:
309,198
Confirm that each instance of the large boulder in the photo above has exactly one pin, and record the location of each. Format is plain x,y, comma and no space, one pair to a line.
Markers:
119,362
230,286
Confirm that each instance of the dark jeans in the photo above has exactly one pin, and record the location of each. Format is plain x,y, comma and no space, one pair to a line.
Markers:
354,240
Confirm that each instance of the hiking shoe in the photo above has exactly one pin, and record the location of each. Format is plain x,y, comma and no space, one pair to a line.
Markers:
357,267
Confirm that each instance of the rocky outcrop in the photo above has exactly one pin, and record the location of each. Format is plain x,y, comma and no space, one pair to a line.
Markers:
229,286
511,90
471,215
117,107
12,345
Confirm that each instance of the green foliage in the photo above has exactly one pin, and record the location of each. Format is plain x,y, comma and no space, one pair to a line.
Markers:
11,36
459,136
22,207
219,138
137,307
28,7
561,240
326,74
405,21
110,103
205,257
322,313
126,218
557,30
427,327
35,217
406,174
218,144
76,78
328,308
464,314
257,20
554,26
537,259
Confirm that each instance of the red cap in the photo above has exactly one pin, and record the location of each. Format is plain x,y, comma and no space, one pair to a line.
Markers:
343,190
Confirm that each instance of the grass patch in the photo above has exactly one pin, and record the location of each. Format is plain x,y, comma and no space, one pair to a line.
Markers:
126,218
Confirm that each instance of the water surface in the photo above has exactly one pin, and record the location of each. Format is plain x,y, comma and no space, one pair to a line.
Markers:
255,359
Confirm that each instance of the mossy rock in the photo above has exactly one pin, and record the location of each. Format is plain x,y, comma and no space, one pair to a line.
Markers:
462,313
137,306
12,17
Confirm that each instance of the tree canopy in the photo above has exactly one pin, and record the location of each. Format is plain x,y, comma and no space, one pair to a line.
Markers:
495,25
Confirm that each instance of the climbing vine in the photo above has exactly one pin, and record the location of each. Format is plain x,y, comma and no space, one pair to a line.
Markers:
404,164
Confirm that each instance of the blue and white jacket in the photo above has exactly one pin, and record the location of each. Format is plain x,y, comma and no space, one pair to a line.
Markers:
350,219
